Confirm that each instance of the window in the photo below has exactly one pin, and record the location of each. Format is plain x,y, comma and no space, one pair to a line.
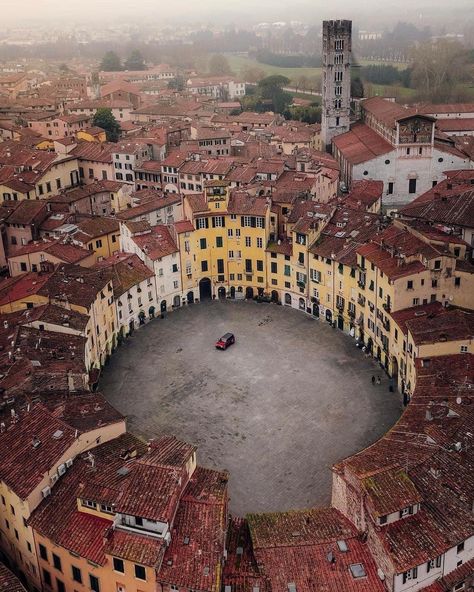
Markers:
437,264
204,266
248,241
94,583
57,562
42,551
237,232
76,574
98,244
202,223
287,270
315,275
383,519
410,285
219,241
174,267
464,349
259,265
119,565
406,511
230,232
433,563
140,572
202,243
412,186
411,574
390,188
47,577
60,586
274,267
460,548
259,243
220,266
217,222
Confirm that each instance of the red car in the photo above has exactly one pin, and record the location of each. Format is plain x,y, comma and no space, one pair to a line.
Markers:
225,341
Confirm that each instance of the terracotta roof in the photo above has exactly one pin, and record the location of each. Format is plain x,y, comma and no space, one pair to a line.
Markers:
456,208
184,226
446,325
194,557
364,193
78,532
361,144
74,284
390,491
27,212
386,111
25,461
94,227
155,201
64,251
138,548
125,271
9,582
97,152
157,243
292,548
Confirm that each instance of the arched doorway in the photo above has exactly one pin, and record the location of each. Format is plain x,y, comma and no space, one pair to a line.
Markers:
151,312
163,306
190,297
301,304
395,370
221,292
316,310
249,293
131,327
205,289
340,323
232,292
328,316
274,296
288,299
176,301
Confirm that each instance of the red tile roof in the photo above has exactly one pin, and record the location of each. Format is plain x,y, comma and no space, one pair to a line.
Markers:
361,144
138,548
9,582
194,557
24,465
157,243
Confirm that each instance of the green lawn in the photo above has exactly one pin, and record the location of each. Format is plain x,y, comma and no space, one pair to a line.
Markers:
397,65
237,63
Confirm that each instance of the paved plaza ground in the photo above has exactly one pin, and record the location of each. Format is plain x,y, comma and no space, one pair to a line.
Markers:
276,409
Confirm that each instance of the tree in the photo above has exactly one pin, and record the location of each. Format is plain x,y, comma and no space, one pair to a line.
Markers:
178,83
437,68
135,61
105,119
111,62
270,90
252,74
218,65
357,88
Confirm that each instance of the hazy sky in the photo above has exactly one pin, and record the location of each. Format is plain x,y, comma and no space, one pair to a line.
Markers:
16,12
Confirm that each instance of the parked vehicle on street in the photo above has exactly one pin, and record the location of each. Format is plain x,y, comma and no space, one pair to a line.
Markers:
225,341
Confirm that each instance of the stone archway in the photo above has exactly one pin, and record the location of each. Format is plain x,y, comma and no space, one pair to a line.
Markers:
205,289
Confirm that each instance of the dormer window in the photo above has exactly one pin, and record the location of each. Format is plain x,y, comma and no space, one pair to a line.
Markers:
406,511
89,504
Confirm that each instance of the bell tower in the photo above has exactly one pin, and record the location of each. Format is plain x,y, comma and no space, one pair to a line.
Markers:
336,83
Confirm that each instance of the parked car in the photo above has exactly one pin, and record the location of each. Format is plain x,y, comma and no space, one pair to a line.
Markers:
225,341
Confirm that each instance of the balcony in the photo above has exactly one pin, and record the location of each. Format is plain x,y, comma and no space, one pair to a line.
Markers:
361,285
352,313
340,306
361,300
386,306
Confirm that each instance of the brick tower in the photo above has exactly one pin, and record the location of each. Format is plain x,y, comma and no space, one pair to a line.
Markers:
337,53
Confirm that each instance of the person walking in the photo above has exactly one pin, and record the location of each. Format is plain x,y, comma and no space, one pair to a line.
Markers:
379,381
373,379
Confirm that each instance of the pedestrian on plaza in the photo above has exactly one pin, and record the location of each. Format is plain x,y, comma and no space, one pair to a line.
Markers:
379,381
373,379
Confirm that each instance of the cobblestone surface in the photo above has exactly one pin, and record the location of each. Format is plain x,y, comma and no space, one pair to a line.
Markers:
276,409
